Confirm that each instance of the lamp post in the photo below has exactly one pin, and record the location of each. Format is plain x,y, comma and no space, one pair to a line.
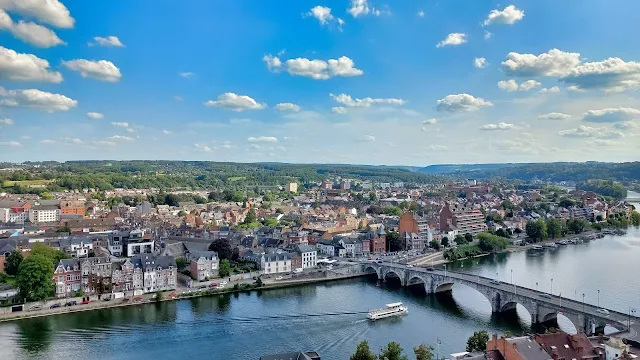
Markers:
598,297
445,270
583,302
551,286
536,286
512,276
438,348
631,311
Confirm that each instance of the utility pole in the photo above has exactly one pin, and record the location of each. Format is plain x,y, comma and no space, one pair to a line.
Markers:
438,348
598,297
583,304
551,286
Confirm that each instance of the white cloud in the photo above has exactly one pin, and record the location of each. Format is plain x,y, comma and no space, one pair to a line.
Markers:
553,89
575,89
315,69
178,98
104,143
453,39
498,126
119,138
322,13
121,124
47,142
553,63
187,74
554,116
95,115
25,67
480,62
111,41
340,23
361,7
584,131
262,139
461,103
37,99
610,115
235,102
510,15
166,132
203,148
102,70
346,100
36,35
512,85
430,122
610,75
437,147
6,121
10,143
487,35
420,13
366,138
624,125
339,110
131,130
288,107
602,142
73,140
51,12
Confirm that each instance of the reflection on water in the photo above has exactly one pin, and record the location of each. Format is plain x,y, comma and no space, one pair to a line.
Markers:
245,326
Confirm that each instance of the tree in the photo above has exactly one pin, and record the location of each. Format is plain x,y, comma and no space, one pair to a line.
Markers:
45,195
445,241
555,228
566,203
363,352
536,230
235,254
393,351
577,226
500,232
460,240
478,341
3,278
64,229
413,206
394,241
635,218
225,268
222,247
468,237
373,197
251,217
180,262
182,213
12,262
50,253
435,244
392,210
423,352
490,242
34,278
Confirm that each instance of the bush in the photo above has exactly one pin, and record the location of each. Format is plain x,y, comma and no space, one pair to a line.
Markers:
463,251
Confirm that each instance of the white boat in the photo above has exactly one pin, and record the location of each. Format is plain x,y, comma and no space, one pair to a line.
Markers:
394,309
550,245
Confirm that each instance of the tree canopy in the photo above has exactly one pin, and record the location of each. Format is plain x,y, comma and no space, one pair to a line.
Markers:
34,279
478,341
222,247
12,262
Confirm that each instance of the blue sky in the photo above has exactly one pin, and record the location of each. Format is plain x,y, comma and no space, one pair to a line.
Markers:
348,81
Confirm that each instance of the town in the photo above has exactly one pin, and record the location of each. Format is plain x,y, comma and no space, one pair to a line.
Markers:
121,244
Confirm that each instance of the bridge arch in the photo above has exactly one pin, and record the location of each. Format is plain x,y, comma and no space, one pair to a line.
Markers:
370,269
394,274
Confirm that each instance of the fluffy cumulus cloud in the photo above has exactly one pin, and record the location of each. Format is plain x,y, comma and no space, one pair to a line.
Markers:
262,139
339,110
461,103
288,107
95,115
51,12
315,69
366,138
346,100
498,126
102,70
610,75
430,122
626,125
611,115
584,131
552,63
512,85
553,89
111,41
203,148
361,7
235,102
36,99
322,13
10,143
480,62
119,138
510,15
453,39
122,124
29,32
554,116
6,121
25,67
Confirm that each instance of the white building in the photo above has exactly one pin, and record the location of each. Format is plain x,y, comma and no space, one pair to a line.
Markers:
292,187
44,214
614,348
275,263
309,256
160,272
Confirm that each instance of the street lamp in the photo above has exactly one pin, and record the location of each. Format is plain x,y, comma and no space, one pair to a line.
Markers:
583,302
536,286
438,347
551,286
512,276
598,297
631,311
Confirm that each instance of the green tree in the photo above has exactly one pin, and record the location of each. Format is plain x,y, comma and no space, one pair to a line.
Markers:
500,232
235,254
251,217
64,229
182,213
555,228
270,197
222,247
3,278
566,203
180,262
435,244
373,197
392,210
403,205
423,352
393,351
490,242
536,230
34,278
445,241
635,218
363,352
394,242
225,268
413,206
12,262
478,341
50,253
468,237
45,195
577,226
460,240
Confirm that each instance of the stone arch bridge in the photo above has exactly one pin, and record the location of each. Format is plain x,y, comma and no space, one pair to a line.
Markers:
503,297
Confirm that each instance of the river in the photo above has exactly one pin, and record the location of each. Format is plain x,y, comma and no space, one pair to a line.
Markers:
245,326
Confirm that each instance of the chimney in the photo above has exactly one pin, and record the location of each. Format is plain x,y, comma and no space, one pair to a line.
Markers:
554,354
495,341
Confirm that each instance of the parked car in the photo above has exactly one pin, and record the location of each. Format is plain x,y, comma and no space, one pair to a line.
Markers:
107,298
409,266
220,287
85,302
603,311
56,305
430,269
223,283
35,308
279,278
71,303
125,300
138,298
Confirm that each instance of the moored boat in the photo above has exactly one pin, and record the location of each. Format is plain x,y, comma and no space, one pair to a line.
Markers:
393,309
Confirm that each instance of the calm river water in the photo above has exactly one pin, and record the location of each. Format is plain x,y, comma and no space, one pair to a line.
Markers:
245,326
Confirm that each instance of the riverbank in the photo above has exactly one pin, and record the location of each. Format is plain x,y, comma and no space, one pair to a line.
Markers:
165,296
